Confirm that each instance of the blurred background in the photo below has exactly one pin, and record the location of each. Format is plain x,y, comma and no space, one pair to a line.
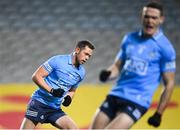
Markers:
31,31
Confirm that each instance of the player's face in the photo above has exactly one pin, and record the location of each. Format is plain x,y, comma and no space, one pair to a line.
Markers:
151,20
83,54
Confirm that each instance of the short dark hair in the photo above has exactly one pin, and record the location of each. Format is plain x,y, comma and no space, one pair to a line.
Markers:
83,43
156,5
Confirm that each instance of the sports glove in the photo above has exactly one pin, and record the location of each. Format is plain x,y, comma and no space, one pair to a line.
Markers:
155,120
67,101
104,75
57,92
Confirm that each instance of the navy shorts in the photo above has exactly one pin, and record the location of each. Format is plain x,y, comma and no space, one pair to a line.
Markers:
112,105
39,112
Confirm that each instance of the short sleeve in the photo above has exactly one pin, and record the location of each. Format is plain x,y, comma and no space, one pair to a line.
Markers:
50,64
168,61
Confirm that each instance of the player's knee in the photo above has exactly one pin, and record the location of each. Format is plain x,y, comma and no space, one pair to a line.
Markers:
66,122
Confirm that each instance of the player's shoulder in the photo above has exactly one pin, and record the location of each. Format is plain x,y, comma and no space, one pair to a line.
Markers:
60,57
163,38
130,36
166,47
164,43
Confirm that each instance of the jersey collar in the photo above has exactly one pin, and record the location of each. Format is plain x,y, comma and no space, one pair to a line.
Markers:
156,36
70,60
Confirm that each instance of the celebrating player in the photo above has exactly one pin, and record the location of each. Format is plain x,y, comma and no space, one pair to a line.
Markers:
145,57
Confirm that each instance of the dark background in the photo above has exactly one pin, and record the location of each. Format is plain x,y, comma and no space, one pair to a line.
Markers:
31,31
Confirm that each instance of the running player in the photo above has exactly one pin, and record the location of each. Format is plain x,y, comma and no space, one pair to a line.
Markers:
57,79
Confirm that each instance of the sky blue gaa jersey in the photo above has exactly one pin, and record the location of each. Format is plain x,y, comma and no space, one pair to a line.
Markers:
145,61
62,74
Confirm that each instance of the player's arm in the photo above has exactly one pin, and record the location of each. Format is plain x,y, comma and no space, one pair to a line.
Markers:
71,92
68,98
169,80
38,78
115,68
111,72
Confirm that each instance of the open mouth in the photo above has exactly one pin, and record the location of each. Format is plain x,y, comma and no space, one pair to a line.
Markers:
83,61
149,27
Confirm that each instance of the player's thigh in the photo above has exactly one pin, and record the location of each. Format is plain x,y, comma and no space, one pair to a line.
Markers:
122,121
100,120
65,122
28,124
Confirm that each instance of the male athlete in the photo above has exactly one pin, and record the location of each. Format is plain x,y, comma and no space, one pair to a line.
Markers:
57,79
145,57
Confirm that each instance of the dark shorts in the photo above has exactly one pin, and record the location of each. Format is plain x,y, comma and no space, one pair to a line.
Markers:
39,112
112,105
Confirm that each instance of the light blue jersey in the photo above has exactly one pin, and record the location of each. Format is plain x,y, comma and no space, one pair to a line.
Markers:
62,74
144,62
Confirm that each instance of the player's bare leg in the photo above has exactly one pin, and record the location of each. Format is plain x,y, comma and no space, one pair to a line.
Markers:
122,121
100,121
28,124
65,122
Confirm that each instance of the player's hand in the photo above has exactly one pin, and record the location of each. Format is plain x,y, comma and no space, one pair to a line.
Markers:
67,101
104,75
155,120
57,92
